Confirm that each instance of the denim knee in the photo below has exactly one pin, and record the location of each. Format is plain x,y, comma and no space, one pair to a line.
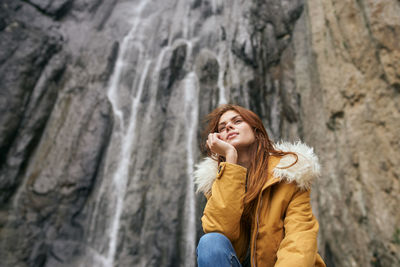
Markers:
213,246
215,249
214,240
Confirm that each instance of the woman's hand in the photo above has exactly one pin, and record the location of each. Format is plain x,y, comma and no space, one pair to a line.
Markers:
222,148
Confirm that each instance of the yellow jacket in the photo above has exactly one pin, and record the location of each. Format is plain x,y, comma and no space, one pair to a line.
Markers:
284,232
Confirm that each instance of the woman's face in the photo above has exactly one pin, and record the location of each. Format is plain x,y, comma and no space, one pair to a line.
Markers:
234,130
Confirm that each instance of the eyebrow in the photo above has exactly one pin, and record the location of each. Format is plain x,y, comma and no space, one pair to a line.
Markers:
233,118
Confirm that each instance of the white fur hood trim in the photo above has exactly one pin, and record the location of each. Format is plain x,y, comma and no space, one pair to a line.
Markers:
302,173
204,174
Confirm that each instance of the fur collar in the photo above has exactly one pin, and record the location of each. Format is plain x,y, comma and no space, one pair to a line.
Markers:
302,173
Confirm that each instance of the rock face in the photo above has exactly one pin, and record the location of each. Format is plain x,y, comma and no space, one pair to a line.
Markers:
101,113
349,84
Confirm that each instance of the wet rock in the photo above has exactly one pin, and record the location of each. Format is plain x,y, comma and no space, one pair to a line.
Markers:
30,73
55,8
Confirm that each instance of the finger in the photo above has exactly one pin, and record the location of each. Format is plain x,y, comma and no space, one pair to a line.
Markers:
208,144
210,141
214,139
217,137
210,136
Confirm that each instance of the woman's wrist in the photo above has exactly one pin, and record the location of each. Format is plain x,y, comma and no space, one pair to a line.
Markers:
231,156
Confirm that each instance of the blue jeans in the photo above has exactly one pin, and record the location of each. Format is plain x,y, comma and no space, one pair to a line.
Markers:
215,249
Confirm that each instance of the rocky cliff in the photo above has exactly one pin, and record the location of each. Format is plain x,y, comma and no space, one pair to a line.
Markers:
102,105
349,83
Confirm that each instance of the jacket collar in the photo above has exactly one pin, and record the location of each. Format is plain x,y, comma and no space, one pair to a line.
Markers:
302,173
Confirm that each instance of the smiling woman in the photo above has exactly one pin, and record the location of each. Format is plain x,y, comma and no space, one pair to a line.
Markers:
258,210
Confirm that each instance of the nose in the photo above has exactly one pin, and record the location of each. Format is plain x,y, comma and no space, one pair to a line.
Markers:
229,126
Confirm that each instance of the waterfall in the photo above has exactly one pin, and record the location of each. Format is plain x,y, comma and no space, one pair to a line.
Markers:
191,112
120,177
113,193
120,64
125,134
221,87
136,92
101,102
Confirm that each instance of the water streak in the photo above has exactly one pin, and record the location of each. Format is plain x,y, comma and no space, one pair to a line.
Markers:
221,74
191,113
112,92
120,177
123,137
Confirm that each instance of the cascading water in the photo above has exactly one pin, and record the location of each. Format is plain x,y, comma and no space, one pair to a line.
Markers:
191,112
146,77
101,102
141,75
125,135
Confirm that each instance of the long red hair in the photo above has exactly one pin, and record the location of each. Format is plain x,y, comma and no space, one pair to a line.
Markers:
260,151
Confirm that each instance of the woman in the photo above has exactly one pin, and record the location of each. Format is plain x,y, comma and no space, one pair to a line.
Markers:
258,210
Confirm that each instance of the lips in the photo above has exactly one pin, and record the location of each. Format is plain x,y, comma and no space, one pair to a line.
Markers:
231,135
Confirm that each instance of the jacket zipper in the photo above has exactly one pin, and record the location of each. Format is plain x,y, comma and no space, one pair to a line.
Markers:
258,222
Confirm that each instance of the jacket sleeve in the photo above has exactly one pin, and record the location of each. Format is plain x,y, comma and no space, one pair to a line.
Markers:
225,204
299,246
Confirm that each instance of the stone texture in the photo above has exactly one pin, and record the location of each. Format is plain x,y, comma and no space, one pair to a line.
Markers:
55,128
350,114
30,73
55,8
